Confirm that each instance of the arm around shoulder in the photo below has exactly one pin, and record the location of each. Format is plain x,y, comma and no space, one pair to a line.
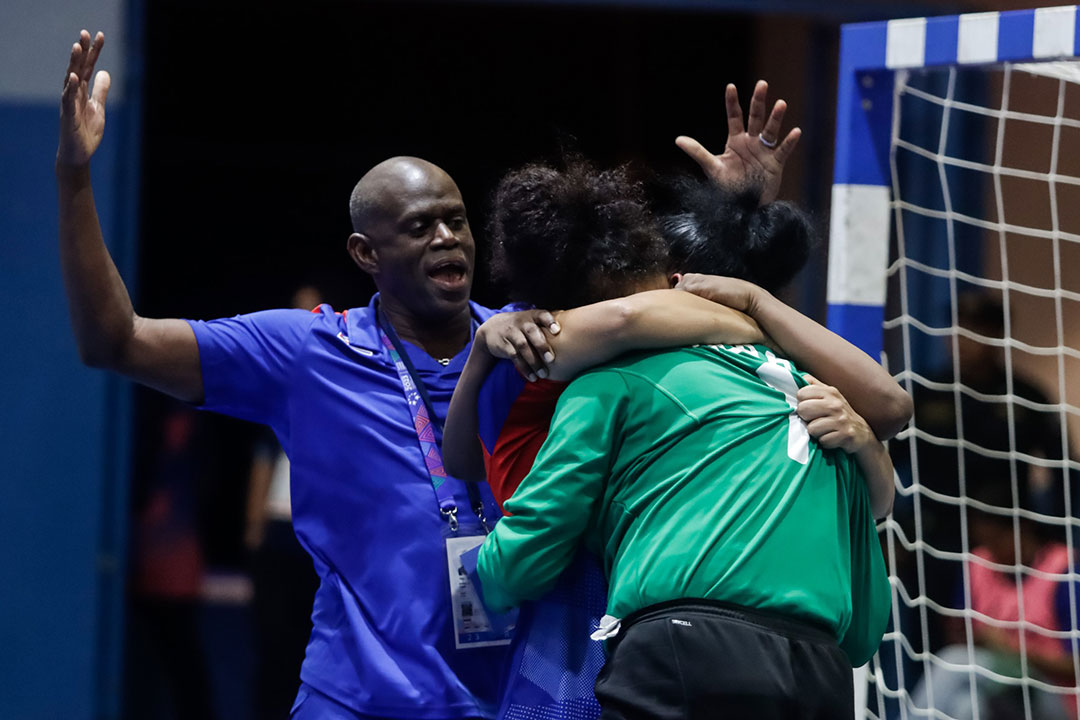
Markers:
462,453
594,334
869,388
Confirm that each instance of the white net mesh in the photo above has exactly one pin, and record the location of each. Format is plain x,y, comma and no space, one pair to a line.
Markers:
983,328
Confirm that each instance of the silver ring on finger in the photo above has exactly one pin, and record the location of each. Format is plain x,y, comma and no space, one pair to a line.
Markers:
767,143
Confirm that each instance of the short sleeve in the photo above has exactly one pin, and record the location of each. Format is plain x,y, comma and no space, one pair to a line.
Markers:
247,361
871,598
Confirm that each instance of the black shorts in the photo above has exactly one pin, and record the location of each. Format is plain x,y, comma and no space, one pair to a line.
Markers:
704,659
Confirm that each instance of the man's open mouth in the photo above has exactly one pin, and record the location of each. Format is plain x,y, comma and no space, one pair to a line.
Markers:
450,274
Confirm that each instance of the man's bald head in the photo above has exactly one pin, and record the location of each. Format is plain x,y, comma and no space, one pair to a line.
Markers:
413,238
385,188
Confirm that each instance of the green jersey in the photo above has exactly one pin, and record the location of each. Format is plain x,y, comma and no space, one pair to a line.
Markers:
690,475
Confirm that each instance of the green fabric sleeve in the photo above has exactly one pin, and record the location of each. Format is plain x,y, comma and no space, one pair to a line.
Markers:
871,598
549,512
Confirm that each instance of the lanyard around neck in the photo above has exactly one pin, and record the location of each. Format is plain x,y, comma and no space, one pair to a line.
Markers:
428,427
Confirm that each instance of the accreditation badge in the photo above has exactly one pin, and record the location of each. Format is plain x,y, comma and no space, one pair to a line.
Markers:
474,625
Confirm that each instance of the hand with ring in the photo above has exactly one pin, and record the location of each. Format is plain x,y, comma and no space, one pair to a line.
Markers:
754,154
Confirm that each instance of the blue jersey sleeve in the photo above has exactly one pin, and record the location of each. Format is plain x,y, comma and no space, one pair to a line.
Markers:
247,361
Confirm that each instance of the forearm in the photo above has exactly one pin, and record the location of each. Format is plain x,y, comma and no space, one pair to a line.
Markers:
462,454
867,386
877,470
160,353
594,334
102,316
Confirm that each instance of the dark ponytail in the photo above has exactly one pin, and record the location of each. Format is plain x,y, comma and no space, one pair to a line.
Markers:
717,232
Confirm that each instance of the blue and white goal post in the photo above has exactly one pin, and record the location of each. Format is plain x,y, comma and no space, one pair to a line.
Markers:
882,65
870,56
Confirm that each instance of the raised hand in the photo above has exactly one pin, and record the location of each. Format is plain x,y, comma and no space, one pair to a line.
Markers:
754,154
82,114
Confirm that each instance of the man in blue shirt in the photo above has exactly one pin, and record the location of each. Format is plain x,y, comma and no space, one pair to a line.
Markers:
350,396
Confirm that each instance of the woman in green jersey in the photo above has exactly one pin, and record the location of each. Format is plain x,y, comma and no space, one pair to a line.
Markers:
741,555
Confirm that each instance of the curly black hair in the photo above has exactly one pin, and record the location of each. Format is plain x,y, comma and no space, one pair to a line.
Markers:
568,237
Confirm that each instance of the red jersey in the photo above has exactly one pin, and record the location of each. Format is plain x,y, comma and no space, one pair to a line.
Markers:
514,416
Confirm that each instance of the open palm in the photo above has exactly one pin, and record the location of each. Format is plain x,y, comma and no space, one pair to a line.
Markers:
82,114
754,154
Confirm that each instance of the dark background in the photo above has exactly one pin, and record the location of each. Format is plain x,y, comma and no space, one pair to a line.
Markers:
236,131
258,124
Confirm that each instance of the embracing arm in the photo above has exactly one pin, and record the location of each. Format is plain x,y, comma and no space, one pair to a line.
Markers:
462,453
521,337
561,346
160,353
877,468
832,422
593,334
867,386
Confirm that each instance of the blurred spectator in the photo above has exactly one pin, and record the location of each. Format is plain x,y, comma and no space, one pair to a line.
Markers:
166,579
985,424
284,579
1047,604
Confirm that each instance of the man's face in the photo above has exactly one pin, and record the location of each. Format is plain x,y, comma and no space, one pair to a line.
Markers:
424,249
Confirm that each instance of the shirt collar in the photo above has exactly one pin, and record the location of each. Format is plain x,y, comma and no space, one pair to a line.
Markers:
361,328
364,332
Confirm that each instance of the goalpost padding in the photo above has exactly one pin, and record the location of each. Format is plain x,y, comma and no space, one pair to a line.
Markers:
870,53
874,61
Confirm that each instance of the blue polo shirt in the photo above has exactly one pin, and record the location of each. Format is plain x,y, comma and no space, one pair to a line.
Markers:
363,504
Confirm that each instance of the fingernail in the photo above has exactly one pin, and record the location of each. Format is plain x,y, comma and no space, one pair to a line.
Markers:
555,328
549,357
542,373
532,378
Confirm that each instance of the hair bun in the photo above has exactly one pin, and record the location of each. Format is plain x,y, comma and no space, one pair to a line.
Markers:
780,236
719,232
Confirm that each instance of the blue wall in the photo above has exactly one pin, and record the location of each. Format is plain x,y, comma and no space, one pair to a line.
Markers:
63,473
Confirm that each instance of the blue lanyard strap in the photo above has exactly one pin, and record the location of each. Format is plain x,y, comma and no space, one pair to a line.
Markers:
428,428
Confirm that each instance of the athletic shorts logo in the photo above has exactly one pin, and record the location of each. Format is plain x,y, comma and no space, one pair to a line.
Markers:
684,623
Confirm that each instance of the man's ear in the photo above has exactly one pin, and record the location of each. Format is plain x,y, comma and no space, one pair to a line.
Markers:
675,279
363,253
